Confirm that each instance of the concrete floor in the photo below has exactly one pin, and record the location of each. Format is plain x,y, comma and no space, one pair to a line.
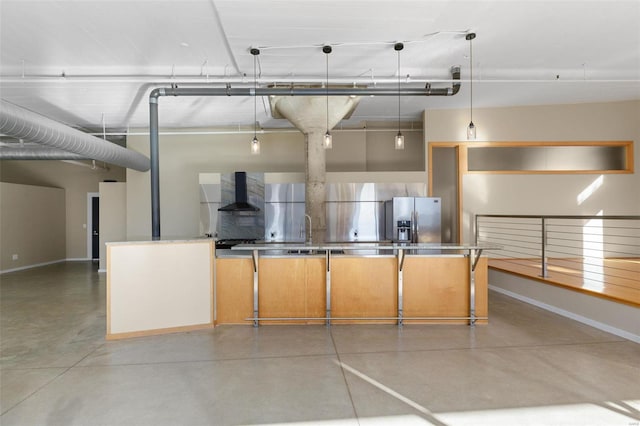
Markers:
528,366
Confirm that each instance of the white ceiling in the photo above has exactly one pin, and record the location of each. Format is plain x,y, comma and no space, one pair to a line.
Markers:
112,53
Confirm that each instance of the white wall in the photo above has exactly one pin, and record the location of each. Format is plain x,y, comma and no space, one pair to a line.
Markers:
77,182
32,225
113,216
544,194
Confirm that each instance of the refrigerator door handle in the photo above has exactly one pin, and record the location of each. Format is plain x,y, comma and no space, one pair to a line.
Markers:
414,233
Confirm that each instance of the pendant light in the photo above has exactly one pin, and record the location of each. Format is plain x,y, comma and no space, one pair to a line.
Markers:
399,143
471,129
328,139
255,143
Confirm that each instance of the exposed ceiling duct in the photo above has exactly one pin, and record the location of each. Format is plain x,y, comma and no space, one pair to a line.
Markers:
36,153
23,124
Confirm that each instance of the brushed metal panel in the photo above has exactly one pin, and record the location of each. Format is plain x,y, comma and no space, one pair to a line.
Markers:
337,192
341,192
209,218
284,193
210,193
386,191
355,221
284,222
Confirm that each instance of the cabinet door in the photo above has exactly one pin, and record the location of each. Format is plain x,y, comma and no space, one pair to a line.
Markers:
234,291
365,287
292,287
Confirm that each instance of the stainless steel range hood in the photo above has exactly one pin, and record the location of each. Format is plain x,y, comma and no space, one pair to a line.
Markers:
240,204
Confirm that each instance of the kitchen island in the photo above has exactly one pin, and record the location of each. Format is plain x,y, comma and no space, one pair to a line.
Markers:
156,287
337,283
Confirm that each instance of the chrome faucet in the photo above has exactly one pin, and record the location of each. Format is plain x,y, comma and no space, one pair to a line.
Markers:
310,232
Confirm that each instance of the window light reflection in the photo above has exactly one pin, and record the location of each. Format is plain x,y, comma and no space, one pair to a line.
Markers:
593,254
589,190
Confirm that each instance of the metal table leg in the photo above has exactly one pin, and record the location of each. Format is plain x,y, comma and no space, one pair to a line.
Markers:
474,257
328,287
400,284
254,257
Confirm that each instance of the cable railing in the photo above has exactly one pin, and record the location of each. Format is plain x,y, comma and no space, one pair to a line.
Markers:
598,254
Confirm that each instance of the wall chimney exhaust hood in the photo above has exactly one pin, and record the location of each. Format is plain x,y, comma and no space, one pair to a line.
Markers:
240,204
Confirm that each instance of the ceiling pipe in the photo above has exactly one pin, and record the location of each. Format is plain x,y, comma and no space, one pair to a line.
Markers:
267,91
292,90
262,131
37,153
23,124
202,79
92,166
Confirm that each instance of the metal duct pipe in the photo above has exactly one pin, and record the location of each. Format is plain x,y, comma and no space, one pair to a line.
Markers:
31,127
312,91
178,79
267,91
38,153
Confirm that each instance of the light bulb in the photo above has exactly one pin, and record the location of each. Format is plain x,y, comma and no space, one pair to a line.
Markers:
471,132
399,141
328,140
255,146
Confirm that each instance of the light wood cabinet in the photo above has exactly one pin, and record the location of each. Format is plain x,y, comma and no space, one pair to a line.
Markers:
234,290
364,287
363,290
439,287
288,288
292,287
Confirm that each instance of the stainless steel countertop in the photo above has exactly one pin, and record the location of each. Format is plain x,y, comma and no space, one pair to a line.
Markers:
260,246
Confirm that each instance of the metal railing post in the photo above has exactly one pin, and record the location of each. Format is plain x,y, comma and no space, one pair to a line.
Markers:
544,248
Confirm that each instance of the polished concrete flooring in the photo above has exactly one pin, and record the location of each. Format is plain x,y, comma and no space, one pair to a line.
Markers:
527,367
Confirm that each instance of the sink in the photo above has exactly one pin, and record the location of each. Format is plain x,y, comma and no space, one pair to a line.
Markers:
302,252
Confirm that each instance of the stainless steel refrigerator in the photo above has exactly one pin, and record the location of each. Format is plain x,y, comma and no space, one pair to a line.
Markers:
413,219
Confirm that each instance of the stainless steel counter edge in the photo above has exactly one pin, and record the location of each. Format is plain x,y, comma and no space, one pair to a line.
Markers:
363,246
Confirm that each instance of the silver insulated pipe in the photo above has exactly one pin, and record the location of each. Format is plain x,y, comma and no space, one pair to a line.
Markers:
37,153
23,124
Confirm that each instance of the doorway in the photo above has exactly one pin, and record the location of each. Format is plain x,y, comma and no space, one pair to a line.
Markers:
444,183
93,226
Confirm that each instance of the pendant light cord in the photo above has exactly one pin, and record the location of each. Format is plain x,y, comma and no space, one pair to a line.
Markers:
398,47
327,49
327,136
398,91
470,37
255,86
471,76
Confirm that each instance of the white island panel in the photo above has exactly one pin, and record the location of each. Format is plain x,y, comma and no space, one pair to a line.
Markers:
159,287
